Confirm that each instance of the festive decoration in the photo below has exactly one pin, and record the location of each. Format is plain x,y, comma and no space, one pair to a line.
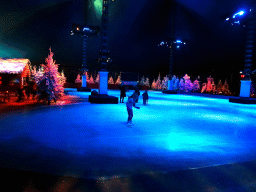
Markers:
146,83
111,80
91,80
97,80
182,84
118,81
188,83
154,85
78,79
51,84
196,86
159,82
164,84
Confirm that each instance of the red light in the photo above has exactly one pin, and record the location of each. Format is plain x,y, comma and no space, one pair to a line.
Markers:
242,76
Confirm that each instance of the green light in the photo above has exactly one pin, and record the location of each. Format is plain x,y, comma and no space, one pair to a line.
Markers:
98,7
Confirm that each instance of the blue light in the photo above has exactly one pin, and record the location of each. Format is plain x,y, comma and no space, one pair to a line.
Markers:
178,41
86,29
178,46
227,19
238,13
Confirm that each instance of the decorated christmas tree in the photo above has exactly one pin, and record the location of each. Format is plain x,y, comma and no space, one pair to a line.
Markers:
165,82
159,82
210,83
78,79
146,83
91,80
111,80
97,78
182,84
176,83
154,85
188,83
196,86
118,81
142,81
51,84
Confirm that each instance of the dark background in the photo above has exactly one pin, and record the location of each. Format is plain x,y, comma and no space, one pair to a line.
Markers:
29,28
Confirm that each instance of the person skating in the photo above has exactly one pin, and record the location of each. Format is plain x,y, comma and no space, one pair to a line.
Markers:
145,97
122,93
129,105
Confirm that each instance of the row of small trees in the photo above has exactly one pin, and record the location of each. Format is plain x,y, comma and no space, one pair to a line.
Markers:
91,80
185,84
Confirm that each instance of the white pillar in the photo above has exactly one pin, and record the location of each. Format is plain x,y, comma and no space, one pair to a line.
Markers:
170,85
245,88
83,80
103,86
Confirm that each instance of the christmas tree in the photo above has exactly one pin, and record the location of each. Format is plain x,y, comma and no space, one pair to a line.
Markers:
146,83
154,85
188,83
176,83
142,81
97,78
91,80
182,84
165,82
118,81
111,80
51,84
159,82
196,86
78,79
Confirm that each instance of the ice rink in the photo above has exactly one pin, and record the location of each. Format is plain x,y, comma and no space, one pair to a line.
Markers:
172,132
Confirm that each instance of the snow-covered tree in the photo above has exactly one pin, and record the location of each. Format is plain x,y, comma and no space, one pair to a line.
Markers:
182,84
196,86
51,83
97,78
146,83
159,82
188,83
210,82
91,80
154,85
142,81
111,80
176,83
78,79
165,82
118,81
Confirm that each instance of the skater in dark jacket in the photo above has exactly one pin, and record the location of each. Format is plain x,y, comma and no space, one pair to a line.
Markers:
145,97
129,105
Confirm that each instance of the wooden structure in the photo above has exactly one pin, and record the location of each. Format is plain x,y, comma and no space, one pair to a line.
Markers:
14,74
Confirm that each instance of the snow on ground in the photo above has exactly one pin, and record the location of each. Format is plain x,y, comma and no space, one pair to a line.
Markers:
91,140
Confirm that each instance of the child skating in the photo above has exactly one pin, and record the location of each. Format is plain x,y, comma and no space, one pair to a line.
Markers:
129,106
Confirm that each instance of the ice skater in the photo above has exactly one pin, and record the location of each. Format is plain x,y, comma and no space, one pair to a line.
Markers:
129,105
145,97
135,97
122,93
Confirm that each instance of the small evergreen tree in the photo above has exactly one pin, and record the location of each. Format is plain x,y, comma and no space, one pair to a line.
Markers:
111,80
142,81
159,82
188,83
146,83
78,79
165,82
176,84
91,80
154,85
196,86
182,84
118,81
97,78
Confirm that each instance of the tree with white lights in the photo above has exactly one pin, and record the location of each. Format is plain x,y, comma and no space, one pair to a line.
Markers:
51,84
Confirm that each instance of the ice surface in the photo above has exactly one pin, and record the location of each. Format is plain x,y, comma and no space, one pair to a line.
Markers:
90,140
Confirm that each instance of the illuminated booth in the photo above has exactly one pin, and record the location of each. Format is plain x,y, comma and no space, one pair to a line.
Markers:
14,74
